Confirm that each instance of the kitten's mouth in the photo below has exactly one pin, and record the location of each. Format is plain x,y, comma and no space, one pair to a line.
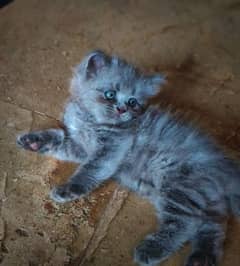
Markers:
124,116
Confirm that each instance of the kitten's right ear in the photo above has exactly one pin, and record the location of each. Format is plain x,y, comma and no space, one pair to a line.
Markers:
94,62
152,85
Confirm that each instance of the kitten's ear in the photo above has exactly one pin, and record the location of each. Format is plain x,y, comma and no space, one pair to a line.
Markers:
153,83
94,62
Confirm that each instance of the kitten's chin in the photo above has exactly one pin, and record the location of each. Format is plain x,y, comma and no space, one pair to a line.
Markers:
112,118
125,117
118,119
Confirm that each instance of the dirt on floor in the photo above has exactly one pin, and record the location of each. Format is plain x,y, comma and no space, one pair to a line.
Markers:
194,43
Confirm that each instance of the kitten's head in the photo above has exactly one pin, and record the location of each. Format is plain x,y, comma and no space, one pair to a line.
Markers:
112,90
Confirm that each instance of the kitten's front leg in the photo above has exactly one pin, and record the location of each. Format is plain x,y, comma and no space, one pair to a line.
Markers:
78,186
83,181
41,141
89,176
53,142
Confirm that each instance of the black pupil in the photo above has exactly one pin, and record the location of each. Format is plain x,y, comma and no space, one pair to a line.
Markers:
110,95
132,102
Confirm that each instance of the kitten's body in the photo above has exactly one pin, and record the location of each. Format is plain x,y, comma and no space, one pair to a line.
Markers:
189,181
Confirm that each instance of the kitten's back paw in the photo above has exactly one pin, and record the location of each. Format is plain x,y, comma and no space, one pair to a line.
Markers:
200,258
149,253
66,193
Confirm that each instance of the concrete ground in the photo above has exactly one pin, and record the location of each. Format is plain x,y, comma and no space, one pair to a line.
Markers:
195,43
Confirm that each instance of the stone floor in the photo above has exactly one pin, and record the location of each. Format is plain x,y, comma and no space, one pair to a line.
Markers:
195,43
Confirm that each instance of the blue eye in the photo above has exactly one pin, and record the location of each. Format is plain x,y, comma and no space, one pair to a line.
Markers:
132,102
110,95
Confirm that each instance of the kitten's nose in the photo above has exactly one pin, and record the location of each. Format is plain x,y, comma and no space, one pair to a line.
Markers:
121,110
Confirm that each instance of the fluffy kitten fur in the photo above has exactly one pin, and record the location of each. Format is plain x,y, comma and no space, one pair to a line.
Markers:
191,183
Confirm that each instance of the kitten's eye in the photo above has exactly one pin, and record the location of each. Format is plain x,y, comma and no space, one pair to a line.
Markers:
132,102
110,95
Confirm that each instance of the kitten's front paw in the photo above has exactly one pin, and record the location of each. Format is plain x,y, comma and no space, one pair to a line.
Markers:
67,192
200,258
149,253
31,141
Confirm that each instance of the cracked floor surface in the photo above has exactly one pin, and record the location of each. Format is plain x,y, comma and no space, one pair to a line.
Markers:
195,43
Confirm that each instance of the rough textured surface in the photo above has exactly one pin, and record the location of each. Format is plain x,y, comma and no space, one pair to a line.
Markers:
136,219
112,209
195,43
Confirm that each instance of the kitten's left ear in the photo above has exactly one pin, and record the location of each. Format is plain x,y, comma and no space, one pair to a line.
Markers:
95,61
153,83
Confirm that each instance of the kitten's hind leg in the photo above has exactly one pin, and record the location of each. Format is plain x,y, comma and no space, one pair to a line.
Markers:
173,233
207,245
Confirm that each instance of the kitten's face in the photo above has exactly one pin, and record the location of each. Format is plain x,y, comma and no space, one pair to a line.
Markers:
119,103
112,90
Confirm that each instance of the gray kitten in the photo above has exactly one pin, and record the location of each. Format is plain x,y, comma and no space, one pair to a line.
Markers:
112,132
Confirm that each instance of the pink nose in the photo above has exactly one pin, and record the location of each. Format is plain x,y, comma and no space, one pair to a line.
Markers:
121,110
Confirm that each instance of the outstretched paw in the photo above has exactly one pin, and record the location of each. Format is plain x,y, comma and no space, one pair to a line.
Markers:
39,141
67,192
31,141
149,252
200,258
